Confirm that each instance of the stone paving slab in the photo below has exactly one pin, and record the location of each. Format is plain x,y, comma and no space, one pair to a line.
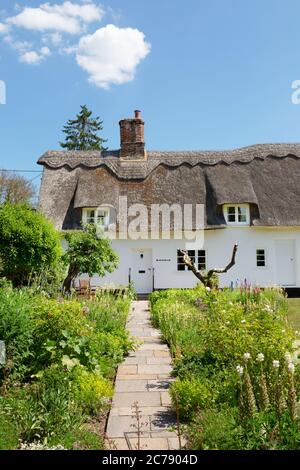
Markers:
143,398
138,376
154,369
144,379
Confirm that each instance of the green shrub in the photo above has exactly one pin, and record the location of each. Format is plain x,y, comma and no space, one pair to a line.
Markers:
91,391
58,354
191,395
16,330
214,336
215,430
29,243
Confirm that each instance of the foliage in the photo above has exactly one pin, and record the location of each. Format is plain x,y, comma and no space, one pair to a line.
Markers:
38,411
91,391
8,434
62,355
89,253
226,347
189,395
78,439
15,189
28,243
16,329
81,133
214,429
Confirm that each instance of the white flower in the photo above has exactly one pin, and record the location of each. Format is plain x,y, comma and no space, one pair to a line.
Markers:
240,369
291,367
247,356
288,357
276,364
267,308
260,357
227,322
208,289
282,331
243,321
230,303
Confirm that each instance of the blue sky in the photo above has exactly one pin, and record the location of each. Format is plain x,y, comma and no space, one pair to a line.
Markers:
206,74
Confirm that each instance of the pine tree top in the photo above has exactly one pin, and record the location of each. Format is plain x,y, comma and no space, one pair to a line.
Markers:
82,132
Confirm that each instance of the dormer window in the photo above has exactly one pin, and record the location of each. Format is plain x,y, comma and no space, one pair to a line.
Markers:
99,216
236,214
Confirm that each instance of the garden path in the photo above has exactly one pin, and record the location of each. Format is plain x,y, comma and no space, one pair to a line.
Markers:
143,378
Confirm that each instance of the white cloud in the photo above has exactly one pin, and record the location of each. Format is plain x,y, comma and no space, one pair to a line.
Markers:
31,58
68,17
4,28
54,38
45,51
34,57
111,54
20,46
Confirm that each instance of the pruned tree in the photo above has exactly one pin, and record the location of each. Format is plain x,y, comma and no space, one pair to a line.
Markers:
89,253
15,188
207,278
82,132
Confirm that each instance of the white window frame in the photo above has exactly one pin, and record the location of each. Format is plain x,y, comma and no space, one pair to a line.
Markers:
97,211
265,258
236,213
197,256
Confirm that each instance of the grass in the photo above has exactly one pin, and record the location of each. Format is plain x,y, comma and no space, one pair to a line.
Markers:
294,313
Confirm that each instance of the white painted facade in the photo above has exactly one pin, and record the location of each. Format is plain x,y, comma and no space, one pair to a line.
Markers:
157,267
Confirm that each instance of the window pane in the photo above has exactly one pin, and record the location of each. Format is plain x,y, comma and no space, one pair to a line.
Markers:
180,263
260,258
242,214
231,214
201,259
90,216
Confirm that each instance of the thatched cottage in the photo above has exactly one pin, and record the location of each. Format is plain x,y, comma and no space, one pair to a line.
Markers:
249,196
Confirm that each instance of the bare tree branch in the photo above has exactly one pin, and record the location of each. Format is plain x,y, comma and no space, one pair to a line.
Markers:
190,264
229,265
206,278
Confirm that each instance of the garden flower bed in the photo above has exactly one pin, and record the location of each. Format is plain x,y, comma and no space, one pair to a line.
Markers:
56,383
236,385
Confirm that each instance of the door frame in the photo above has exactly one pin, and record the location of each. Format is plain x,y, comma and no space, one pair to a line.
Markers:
135,251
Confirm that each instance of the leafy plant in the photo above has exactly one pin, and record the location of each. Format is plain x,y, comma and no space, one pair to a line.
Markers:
29,243
88,252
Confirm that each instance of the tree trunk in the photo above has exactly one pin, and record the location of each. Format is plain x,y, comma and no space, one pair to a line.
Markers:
207,277
67,284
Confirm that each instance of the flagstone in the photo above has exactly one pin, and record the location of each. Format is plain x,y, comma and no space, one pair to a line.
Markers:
143,378
131,385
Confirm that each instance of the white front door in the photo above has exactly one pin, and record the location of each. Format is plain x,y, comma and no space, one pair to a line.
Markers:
285,262
141,271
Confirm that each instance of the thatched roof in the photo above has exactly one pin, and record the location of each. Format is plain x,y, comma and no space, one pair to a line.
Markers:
266,176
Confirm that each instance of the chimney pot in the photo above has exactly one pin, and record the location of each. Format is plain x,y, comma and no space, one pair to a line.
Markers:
137,114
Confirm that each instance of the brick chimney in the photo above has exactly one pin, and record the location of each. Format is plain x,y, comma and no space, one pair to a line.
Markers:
132,138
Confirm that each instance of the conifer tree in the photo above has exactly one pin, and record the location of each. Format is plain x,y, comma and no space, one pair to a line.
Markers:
82,132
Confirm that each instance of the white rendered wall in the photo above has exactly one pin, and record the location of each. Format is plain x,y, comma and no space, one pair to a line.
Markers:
218,245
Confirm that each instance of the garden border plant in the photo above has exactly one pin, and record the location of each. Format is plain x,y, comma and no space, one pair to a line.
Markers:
225,397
